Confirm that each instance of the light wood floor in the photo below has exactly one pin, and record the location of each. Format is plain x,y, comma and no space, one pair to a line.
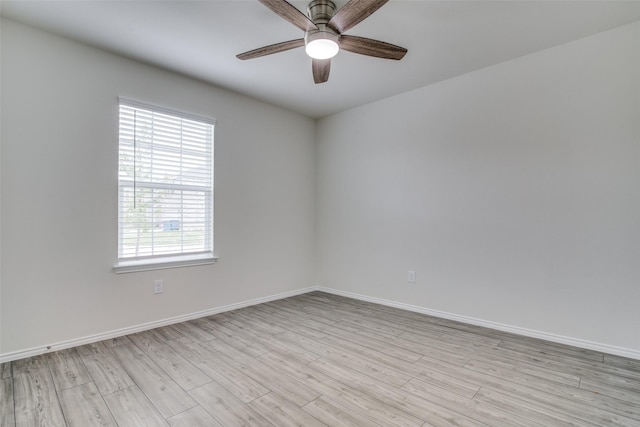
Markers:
319,359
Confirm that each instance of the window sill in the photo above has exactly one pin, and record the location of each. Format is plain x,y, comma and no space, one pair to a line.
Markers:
131,266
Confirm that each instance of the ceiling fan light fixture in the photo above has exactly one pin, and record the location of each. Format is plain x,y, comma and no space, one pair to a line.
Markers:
321,44
324,37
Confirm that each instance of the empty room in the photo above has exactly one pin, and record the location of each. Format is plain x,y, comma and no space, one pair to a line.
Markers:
319,213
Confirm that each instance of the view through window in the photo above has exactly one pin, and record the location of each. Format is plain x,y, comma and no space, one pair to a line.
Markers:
165,206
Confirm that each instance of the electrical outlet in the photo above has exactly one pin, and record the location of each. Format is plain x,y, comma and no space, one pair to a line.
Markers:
412,276
158,286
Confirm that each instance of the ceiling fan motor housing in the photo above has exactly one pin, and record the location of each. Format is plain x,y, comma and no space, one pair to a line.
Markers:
321,11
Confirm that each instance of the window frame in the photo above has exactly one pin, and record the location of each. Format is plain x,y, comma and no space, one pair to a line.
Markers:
172,260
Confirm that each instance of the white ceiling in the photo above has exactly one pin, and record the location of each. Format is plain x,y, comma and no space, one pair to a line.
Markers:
201,38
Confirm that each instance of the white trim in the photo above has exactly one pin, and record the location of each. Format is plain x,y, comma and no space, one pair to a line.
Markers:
35,351
589,345
604,348
158,263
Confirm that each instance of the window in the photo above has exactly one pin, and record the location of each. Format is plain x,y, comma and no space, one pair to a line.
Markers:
165,188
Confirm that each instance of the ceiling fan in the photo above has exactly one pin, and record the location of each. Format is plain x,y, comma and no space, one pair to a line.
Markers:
324,28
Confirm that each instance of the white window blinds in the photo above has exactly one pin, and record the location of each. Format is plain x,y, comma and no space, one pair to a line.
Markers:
165,205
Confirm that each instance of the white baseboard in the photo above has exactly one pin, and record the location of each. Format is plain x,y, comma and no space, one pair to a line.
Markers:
590,345
21,354
604,348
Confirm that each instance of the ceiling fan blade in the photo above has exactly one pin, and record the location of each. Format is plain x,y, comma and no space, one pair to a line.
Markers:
371,47
321,68
273,48
289,12
353,13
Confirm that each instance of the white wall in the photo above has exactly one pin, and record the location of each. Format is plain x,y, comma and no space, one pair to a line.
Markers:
0,188
513,192
59,195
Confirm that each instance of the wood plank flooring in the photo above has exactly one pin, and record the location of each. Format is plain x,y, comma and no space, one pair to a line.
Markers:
321,360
